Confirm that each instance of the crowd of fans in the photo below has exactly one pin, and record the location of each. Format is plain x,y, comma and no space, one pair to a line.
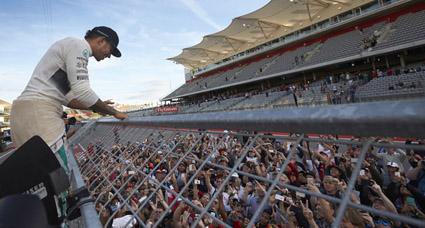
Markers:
338,89
401,85
391,179
341,88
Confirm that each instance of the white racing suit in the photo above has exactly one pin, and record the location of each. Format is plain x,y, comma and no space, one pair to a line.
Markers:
60,76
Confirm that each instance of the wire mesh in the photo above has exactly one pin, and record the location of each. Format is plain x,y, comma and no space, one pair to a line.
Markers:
151,177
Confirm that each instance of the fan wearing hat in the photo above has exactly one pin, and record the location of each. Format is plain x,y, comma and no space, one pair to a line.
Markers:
60,79
392,160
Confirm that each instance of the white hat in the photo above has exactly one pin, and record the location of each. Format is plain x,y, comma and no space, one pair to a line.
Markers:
327,152
392,164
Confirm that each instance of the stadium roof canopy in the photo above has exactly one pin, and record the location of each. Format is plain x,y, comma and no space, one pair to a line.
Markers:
4,103
277,18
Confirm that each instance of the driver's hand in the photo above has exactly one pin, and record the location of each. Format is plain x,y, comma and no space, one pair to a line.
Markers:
120,115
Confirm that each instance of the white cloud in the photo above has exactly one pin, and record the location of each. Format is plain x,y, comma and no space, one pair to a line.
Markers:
148,91
201,13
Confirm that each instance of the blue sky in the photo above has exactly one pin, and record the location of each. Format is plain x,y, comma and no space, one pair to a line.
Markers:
150,31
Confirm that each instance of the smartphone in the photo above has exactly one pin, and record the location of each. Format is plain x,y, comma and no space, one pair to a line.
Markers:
279,197
131,172
362,172
191,167
197,181
143,198
410,201
300,194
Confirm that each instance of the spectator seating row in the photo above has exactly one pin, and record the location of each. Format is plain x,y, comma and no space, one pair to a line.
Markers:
393,87
406,85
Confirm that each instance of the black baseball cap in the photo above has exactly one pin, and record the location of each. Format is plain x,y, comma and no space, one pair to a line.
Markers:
111,36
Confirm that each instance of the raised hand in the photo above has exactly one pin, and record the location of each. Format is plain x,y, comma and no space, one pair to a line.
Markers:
185,218
109,102
308,214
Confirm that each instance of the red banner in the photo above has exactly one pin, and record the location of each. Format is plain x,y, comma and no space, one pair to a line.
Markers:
167,109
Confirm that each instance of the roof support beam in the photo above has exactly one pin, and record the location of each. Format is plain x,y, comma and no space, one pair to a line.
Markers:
203,50
230,43
319,3
228,37
308,10
262,30
262,24
209,56
339,2
229,40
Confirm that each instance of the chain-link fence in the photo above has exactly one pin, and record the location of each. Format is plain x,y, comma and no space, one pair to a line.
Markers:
156,177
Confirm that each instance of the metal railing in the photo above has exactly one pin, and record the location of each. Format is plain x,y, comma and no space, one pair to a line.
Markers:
128,165
89,216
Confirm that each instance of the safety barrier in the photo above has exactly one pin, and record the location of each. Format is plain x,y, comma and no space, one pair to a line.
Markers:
134,168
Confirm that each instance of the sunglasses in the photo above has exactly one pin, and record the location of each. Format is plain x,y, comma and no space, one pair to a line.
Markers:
383,222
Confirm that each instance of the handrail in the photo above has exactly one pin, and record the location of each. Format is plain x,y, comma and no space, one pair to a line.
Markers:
89,217
403,118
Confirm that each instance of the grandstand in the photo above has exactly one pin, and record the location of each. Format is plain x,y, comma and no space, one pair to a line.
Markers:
5,140
388,37
299,114
396,87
